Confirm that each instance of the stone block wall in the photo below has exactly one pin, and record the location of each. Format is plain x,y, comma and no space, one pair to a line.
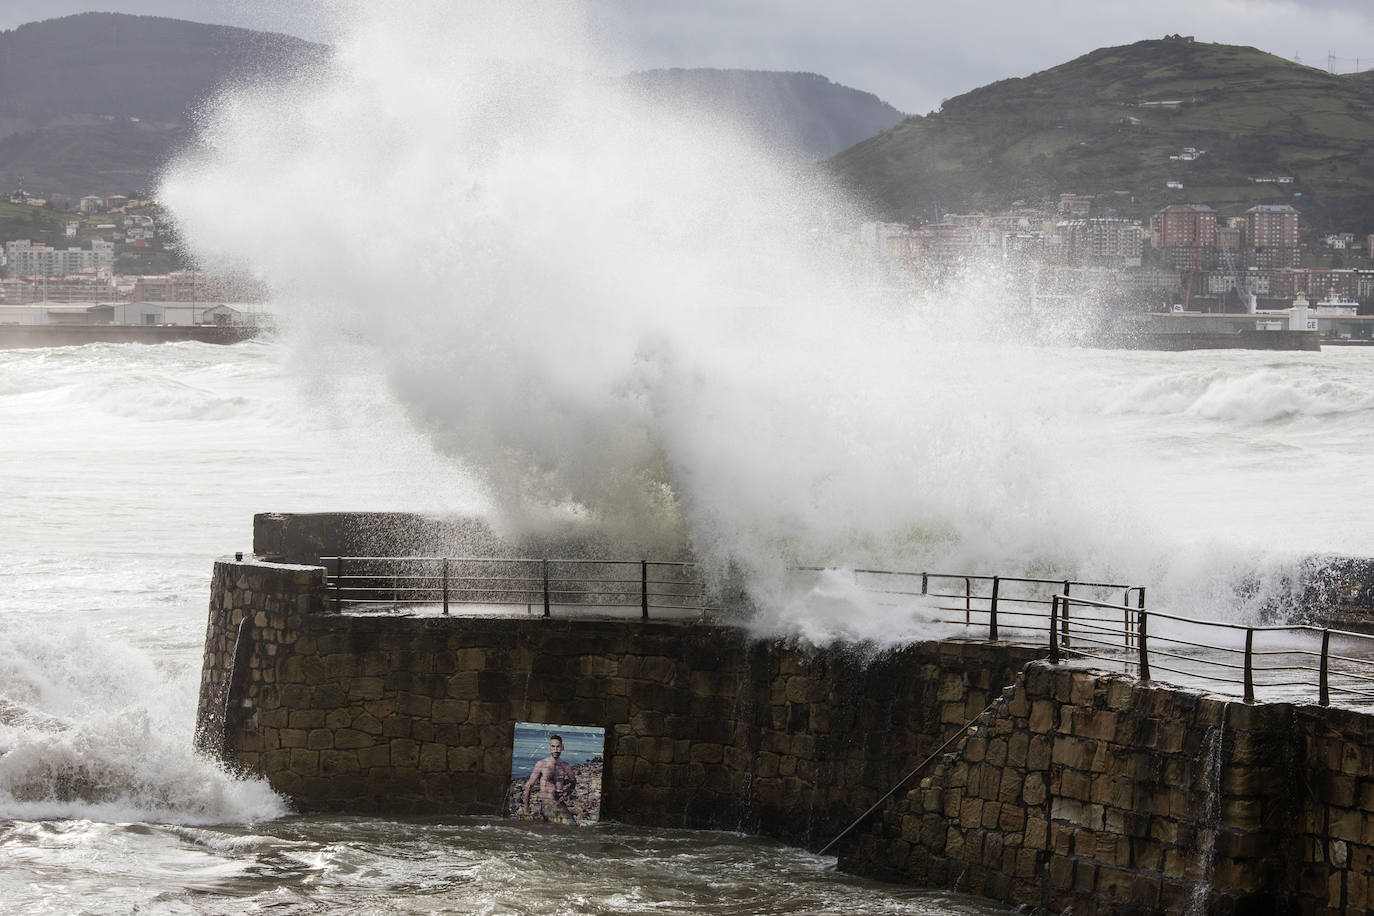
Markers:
257,610
1334,851
1071,789
704,725
1098,793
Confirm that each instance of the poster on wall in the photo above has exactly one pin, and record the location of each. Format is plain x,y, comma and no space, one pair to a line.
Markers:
555,773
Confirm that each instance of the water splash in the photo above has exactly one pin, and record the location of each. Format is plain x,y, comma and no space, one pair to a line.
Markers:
97,730
637,319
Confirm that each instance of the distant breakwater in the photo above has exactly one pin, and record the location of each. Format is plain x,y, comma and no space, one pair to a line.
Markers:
1070,788
17,336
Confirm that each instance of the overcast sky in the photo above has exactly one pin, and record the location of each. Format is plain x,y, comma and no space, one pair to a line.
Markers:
911,53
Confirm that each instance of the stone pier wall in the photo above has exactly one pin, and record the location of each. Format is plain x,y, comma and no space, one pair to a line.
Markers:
1098,793
1334,781
257,610
704,725
1072,788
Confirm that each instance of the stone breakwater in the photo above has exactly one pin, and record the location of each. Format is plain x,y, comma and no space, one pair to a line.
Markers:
1095,793
1071,788
704,726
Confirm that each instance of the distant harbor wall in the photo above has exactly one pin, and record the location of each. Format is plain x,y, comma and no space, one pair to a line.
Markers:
1072,789
20,336
1219,340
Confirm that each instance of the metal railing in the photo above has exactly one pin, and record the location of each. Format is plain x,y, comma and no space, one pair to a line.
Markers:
375,583
1001,605
1286,662
1076,618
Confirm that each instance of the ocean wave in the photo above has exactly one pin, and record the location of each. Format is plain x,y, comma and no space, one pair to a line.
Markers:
1255,397
90,729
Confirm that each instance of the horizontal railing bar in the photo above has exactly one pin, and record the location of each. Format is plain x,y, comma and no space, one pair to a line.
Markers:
575,560
1115,659
1197,674
1156,638
1023,579
1092,640
1348,658
1235,626
1305,652
536,603
1356,675
1196,660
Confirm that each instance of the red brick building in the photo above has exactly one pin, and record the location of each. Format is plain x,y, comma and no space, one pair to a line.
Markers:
1271,236
1186,235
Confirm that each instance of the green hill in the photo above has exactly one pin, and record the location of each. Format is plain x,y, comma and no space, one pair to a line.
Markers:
1086,127
116,65
98,102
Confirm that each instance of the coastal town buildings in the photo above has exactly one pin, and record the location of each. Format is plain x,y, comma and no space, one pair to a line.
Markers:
1187,256
27,258
1073,245
1186,235
1271,236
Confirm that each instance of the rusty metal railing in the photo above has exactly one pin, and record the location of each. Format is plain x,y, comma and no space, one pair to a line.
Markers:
1283,662
379,583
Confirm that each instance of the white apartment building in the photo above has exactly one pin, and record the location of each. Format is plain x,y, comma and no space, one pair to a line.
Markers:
34,259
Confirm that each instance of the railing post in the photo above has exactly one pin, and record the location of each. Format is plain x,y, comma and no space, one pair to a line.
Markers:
992,610
1324,688
925,581
1249,665
546,586
1144,651
1054,630
644,589
338,585
1065,617
445,585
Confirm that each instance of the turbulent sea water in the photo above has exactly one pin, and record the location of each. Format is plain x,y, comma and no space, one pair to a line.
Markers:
508,286
128,469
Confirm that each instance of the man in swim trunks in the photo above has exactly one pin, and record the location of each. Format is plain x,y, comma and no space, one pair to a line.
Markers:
556,782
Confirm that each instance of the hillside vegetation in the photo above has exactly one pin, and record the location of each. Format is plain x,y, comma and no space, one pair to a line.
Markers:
1081,127
145,67
98,102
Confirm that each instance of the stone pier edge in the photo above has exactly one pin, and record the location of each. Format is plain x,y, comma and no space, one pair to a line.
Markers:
1075,789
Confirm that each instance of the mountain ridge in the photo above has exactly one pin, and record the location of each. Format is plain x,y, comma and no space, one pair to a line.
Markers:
1106,124
99,102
